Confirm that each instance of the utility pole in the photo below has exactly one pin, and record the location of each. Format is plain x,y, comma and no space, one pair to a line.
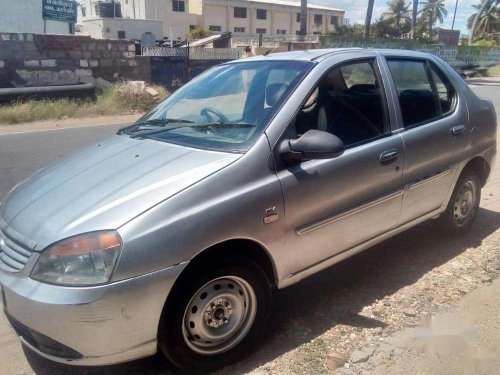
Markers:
303,18
114,9
454,15
414,19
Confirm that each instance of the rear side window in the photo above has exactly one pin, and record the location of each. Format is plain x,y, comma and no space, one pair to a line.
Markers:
416,96
445,90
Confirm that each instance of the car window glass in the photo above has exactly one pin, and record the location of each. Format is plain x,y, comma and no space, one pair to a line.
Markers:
279,79
348,102
416,97
445,90
358,74
228,107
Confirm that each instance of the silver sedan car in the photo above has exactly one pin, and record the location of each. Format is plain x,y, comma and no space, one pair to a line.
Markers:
172,234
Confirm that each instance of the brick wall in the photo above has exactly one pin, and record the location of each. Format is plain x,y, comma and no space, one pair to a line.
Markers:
40,60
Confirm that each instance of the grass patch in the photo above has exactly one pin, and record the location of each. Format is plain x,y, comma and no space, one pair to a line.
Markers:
118,99
494,71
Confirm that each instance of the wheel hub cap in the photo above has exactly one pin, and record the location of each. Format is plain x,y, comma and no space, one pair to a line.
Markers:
464,202
219,315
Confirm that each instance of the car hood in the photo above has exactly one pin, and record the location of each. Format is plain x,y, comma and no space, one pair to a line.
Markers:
103,187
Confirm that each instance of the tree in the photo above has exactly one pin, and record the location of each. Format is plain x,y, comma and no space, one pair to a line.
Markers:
198,33
368,19
397,18
484,23
355,31
433,11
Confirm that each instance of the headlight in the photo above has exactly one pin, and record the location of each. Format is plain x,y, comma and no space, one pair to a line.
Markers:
87,259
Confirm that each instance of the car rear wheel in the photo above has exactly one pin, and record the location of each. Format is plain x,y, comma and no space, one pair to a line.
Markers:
215,315
463,205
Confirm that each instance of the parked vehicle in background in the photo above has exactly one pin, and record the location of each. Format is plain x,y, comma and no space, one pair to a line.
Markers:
172,233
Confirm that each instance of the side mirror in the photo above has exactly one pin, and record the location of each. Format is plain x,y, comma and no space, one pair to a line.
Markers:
314,144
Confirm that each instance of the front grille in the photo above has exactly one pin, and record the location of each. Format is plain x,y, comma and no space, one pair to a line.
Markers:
13,253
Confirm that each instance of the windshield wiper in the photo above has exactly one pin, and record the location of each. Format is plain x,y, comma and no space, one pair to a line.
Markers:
153,122
193,125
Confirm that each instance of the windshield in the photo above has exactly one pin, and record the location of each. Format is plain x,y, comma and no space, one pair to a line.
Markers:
224,109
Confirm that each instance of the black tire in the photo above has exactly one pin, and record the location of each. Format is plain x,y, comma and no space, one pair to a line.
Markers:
171,333
452,220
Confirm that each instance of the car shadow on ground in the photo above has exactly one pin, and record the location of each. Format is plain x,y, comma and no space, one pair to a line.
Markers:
334,296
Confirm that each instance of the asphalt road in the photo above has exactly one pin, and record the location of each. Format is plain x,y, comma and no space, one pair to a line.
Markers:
24,153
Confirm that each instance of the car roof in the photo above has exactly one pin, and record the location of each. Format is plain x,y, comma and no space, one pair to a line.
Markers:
319,54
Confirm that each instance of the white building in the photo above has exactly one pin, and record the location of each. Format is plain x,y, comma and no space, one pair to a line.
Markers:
121,28
25,16
163,18
269,17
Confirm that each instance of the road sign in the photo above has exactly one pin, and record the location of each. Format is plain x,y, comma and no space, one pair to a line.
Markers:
59,10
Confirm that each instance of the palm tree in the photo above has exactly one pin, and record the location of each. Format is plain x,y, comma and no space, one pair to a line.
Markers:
398,17
485,21
433,11
368,19
414,19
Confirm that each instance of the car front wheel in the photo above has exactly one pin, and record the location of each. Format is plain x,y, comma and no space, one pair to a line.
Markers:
215,315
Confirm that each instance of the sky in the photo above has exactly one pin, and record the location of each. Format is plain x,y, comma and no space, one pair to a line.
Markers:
356,11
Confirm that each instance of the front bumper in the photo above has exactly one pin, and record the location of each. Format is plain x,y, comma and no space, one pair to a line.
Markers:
89,326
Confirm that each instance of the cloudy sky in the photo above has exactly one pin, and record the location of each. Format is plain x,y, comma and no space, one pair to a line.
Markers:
356,10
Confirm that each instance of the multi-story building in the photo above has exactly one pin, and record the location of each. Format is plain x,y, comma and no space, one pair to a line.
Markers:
174,15
241,17
269,17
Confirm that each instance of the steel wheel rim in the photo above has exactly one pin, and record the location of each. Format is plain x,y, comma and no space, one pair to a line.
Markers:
465,202
219,315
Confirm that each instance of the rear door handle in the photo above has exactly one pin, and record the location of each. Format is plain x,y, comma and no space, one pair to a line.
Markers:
456,130
388,156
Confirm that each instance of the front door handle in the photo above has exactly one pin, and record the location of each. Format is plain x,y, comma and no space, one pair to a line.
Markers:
456,130
388,156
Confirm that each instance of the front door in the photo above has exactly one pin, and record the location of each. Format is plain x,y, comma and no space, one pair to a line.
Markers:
332,205
434,123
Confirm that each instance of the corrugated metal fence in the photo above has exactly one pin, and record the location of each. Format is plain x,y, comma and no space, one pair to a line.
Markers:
194,53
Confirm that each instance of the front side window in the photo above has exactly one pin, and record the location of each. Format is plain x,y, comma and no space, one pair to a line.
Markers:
349,103
421,97
261,14
178,6
240,12
224,109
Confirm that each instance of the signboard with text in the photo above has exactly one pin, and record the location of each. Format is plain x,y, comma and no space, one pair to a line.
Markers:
59,10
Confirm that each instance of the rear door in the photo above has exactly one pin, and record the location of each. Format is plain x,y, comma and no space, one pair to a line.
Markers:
433,124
